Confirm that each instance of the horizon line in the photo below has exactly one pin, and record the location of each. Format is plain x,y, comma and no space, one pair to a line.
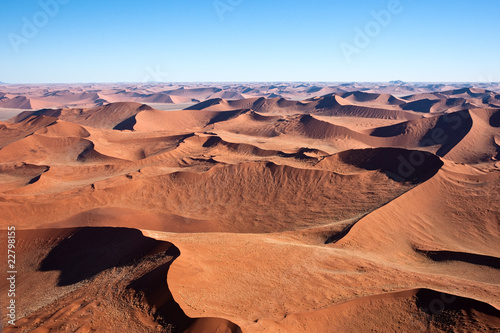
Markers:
240,82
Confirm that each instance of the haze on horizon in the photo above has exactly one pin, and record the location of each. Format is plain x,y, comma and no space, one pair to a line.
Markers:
57,41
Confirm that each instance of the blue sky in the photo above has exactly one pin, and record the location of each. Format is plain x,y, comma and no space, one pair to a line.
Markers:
248,40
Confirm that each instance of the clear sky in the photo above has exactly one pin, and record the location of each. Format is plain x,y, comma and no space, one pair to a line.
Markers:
248,40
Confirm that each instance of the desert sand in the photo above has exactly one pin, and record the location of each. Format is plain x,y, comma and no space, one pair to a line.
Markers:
259,207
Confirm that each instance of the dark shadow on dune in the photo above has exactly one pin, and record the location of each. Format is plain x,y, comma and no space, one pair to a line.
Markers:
391,130
449,130
258,104
441,305
214,141
439,311
43,112
328,102
400,165
86,252
225,116
37,177
127,124
495,119
154,289
422,105
90,251
85,154
153,286
471,258
339,235
34,179
301,154
205,104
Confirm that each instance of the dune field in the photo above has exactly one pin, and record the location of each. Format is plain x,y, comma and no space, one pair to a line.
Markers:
282,207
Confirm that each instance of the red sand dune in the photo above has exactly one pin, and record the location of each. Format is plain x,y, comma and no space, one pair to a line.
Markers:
348,207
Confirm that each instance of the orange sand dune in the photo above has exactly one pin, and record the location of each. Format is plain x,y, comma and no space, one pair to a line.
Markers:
398,311
481,143
285,207
10,133
281,276
74,286
246,187
109,116
432,226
